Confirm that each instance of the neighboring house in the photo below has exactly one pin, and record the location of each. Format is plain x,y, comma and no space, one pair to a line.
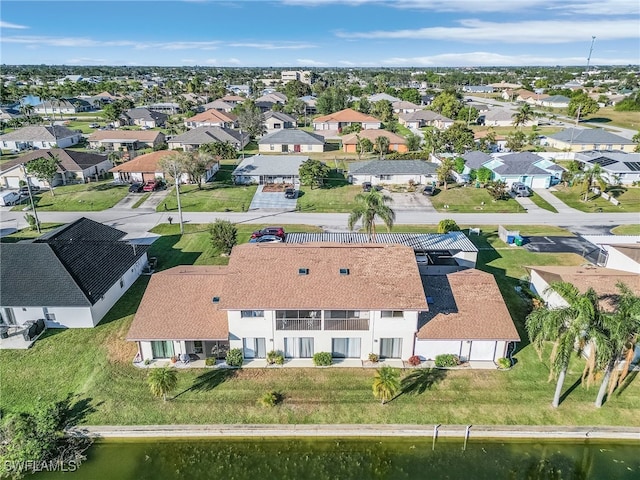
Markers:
9,113
234,100
502,85
393,172
376,97
74,166
467,317
477,89
71,78
104,97
291,140
239,89
618,166
343,118
70,277
266,169
310,102
472,161
424,118
525,167
405,107
212,118
125,139
555,101
62,106
218,105
273,97
396,142
581,139
147,167
279,120
168,108
145,117
501,117
37,137
195,138
618,252
370,310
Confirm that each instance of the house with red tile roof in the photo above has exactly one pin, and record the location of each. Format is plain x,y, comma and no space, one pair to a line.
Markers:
212,118
396,142
147,167
344,118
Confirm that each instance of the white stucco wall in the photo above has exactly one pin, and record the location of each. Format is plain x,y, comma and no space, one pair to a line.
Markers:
394,179
538,285
467,350
290,148
466,259
65,317
618,261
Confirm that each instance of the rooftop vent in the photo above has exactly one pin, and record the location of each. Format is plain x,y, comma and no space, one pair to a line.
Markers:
344,271
215,299
303,271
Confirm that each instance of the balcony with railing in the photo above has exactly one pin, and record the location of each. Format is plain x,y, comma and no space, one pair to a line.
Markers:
298,324
346,324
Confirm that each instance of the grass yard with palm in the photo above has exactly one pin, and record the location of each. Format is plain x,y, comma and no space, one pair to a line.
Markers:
629,198
471,200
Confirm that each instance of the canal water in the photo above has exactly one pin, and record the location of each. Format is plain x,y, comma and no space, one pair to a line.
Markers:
361,459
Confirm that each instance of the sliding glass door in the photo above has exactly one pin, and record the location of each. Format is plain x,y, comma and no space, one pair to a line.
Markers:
390,347
345,347
298,347
162,349
254,348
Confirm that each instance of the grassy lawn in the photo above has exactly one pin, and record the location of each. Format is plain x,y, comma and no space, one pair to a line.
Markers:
608,116
629,198
335,196
221,195
94,365
470,200
83,197
626,230
541,202
28,234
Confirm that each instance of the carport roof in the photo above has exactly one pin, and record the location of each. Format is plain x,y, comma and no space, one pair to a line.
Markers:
270,165
418,241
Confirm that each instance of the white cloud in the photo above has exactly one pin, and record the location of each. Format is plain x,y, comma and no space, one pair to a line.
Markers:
272,46
234,61
4,24
87,61
308,62
590,7
476,59
536,32
80,42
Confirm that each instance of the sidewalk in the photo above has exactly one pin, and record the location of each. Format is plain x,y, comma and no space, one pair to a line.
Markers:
555,201
355,430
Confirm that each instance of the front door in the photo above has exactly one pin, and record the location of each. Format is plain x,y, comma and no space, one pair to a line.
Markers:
296,148
285,148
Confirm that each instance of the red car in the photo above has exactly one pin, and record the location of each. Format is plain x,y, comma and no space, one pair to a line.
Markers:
277,231
151,186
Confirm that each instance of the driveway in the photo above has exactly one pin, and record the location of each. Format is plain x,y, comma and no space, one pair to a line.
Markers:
553,244
272,201
410,201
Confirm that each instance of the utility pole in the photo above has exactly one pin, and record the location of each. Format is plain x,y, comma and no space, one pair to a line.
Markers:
33,207
593,39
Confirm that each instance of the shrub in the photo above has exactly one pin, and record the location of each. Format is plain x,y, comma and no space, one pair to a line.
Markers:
447,225
504,363
224,235
209,361
275,357
322,359
373,358
447,360
234,357
271,399
414,360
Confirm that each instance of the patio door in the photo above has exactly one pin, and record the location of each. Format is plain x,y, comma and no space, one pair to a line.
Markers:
254,348
162,349
390,347
8,318
298,347
345,347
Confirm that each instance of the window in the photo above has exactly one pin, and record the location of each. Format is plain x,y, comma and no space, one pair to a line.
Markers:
272,147
297,314
385,177
51,317
162,349
252,313
345,347
390,347
197,346
254,348
392,314
298,347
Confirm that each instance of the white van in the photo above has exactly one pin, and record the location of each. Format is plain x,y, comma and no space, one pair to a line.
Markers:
9,198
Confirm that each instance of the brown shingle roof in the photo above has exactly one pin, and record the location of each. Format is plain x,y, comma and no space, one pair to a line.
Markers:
265,276
467,305
372,134
149,162
177,305
141,135
70,160
346,115
213,116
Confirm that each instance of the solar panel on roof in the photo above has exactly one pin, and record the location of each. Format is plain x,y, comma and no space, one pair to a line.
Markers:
633,166
603,161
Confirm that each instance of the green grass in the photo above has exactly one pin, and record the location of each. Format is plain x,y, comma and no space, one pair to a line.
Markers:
542,203
83,197
95,366
608,116
141,200
626,230
7,157
28,234
469,200
629,198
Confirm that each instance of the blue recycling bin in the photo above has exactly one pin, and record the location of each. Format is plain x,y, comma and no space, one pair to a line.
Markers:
510,239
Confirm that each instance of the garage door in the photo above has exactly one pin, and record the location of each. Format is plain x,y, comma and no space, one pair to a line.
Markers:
13,182
148,176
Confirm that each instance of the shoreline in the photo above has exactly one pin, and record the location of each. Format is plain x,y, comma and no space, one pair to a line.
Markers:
369,430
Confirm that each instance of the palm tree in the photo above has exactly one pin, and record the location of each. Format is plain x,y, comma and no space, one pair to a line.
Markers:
368,206
386,383
567,327
382,145
623,331
523,115
162,381
590,177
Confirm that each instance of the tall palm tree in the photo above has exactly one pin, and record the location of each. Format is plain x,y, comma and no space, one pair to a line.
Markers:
382,145
567,327
591,177
162,381
623,331
386,383
523,115
368,206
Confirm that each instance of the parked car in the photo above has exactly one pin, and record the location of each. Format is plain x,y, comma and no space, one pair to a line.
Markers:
266,239
428,190
520,189
290,193
152,186
276,231
136,187
9,198
366,186
94,125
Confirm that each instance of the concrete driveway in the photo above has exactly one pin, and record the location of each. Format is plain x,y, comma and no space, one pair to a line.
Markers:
272,201
410,201
553,244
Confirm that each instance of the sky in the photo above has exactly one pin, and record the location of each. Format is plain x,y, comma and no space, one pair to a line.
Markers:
320,33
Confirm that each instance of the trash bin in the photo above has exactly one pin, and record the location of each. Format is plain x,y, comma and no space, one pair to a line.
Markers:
510,239
518,241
